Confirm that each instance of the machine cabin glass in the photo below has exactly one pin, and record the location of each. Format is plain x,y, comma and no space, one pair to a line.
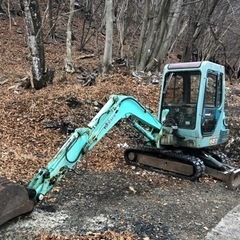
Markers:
212,102
180,96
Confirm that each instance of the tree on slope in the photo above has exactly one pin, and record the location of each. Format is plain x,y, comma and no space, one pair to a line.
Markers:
68,58
40,75
160,20
107,57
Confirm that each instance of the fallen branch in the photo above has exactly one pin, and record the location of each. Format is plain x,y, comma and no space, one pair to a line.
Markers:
85,56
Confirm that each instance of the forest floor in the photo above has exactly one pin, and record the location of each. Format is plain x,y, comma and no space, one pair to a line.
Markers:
109,200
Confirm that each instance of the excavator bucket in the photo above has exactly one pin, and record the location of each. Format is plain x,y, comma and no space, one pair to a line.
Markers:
14,200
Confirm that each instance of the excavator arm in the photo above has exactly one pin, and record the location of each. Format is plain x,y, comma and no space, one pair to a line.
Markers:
84,139
17,200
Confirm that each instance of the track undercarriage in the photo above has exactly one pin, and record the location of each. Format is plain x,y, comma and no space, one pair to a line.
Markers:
185,163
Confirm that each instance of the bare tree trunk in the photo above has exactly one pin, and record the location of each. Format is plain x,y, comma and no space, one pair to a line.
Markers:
40,77
142,35
107,57
50,17
199,33
121,26
3,8
158,32
52,13
68,59
168,29
172,29
216,33
179,34
90,22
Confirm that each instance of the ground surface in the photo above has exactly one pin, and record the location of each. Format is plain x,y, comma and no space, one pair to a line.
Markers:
228,227
110,200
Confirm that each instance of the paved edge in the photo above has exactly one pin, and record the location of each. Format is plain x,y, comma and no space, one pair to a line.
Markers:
228,227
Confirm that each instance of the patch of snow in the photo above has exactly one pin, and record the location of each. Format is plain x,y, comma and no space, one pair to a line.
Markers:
122,145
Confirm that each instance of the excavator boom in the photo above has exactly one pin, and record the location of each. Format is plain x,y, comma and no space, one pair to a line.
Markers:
84,139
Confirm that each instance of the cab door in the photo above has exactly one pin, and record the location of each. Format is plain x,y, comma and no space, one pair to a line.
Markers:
212,103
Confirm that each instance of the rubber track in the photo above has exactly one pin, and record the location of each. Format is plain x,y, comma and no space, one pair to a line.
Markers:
219,156
174,155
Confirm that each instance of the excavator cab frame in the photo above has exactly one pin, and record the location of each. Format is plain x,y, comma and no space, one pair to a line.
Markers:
194,94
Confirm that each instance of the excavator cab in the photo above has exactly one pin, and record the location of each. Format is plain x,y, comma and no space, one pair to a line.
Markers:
194,95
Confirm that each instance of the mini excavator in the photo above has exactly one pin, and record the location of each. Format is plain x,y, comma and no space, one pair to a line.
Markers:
180,141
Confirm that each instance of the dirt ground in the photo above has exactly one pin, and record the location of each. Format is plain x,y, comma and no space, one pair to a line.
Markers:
109,200
134,205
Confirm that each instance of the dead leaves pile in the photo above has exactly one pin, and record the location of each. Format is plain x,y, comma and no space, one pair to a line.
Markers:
28,142
108,235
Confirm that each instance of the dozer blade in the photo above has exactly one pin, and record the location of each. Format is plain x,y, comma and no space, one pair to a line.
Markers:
234,180
14,200
231,177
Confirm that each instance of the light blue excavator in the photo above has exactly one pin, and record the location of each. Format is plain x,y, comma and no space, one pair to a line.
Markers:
191,122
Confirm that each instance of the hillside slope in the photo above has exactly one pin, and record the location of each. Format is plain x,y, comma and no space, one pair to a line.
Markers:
111,199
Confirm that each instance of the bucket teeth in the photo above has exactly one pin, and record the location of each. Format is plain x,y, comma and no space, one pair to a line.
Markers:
14,200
